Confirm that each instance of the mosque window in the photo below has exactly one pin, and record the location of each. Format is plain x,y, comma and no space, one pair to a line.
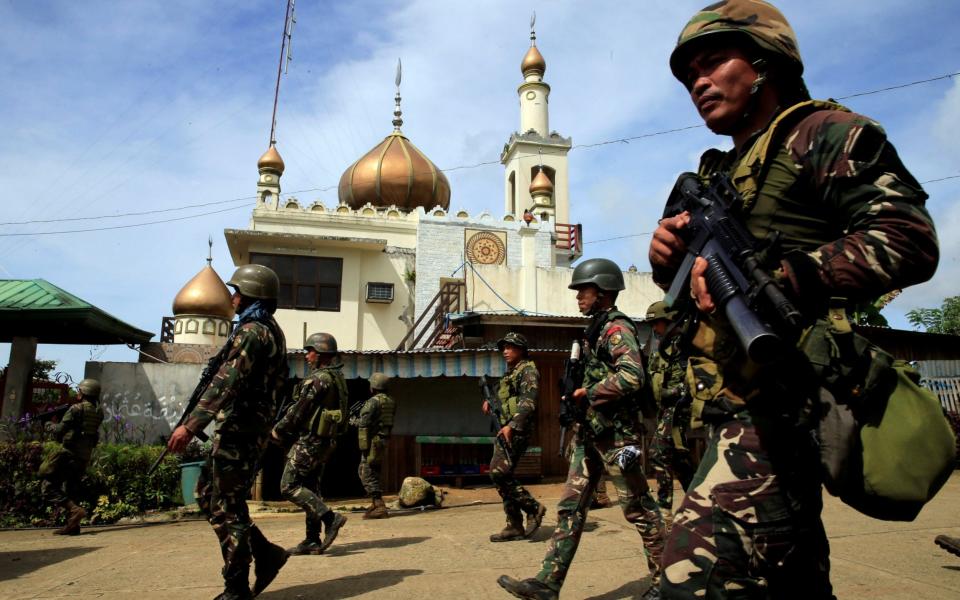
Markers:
513,192
306,282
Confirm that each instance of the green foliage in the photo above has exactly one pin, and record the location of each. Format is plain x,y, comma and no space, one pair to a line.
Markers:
42,369
114,486
945,319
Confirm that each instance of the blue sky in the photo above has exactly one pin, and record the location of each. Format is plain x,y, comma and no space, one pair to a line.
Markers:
121,107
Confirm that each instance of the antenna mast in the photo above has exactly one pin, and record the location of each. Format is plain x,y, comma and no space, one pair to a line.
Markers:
289,21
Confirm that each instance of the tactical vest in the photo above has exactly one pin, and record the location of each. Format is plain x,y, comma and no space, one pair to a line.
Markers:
598,361
83,433
714,343
329,418
388,409
509,391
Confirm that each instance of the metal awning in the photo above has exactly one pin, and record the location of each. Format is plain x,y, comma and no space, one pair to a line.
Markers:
36,308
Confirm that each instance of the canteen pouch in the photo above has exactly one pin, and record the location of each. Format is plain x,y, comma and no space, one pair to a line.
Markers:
329,423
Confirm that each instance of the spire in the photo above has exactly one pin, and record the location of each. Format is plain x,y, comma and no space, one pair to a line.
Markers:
397,120
533,64
210,251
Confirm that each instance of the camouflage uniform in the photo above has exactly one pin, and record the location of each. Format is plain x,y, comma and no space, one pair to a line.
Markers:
668,452
318,416
610,440
518,392
79,433
852,224
376,422
242,399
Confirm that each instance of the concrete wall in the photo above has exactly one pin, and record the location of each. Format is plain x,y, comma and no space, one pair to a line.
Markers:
148,395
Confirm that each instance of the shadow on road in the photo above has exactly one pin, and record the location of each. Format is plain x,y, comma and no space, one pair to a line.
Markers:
628,591
343,587
357,547
18,564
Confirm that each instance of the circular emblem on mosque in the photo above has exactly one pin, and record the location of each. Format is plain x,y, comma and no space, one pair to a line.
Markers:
485,248
531,95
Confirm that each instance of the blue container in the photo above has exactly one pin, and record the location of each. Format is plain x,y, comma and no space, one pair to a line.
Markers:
189,474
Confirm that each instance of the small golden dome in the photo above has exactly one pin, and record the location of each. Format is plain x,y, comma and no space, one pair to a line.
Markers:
205,295
271,161
395,172
541,184
533,61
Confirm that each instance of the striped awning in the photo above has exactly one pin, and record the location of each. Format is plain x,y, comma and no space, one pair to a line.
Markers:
421,363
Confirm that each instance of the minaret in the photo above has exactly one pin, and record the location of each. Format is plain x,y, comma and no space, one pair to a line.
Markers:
535,150
203,309
270,167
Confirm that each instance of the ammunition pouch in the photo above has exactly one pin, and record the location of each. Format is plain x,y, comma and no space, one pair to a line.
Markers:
329,425
363,442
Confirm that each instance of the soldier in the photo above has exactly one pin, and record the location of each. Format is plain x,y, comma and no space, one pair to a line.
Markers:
242,399
667,380
373,433
318,417
849,222
518,392
78,433
609,437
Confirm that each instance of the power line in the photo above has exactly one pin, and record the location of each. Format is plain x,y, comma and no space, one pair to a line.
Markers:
623,140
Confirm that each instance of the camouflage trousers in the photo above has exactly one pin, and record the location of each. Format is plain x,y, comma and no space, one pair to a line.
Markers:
301,478
371,470
60,482
515,497
667,459
590,459
222,490
749,525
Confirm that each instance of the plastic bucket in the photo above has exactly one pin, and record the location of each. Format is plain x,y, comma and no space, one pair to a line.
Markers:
189,474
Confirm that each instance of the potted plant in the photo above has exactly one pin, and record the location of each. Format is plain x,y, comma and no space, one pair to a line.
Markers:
191,462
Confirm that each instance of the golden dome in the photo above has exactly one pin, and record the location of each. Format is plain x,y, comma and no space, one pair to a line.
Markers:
533,61
205,295
271,160
541,184
395,172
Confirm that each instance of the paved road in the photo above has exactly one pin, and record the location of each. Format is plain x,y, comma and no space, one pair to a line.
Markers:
445,553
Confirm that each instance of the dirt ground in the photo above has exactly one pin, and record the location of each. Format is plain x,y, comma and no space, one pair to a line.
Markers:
445,553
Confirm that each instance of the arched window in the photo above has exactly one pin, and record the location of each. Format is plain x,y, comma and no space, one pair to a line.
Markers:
513,192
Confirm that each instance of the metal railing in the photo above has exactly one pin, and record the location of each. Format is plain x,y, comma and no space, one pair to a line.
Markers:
570,237
447,300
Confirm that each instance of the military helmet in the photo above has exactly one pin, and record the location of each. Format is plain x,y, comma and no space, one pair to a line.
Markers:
515,339
658,310
601,272
760,22
323,343
379,381
256,281
90,388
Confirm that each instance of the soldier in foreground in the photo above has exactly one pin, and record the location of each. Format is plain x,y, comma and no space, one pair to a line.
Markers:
373,433
78,433
850,222
669,454
518,392
242,399
609,436
316,418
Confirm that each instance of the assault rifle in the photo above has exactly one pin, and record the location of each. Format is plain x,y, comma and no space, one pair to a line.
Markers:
571,381
354,411
206,376
736,281
496,416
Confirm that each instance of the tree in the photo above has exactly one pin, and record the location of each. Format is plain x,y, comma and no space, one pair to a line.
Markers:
42,369
945,319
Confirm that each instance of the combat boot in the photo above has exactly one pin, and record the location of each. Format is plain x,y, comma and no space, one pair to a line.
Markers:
534,520
235,585
950,544
268,560
652,593
75,514
528,588
311,543
512,531
379,510
332,527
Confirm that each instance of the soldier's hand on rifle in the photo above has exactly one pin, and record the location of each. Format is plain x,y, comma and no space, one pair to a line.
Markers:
485,408
667,248
698,286
506,432
179,439
275,438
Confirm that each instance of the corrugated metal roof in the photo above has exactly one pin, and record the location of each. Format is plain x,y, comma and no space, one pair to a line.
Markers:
33,294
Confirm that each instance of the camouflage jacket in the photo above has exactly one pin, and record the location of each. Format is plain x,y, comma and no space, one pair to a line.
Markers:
323,391
79,430
245,391
518,393
613,377
377,415
667,378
